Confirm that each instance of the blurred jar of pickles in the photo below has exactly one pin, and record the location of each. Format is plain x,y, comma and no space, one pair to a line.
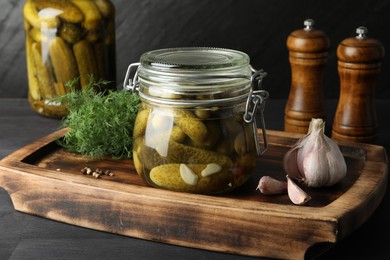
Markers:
195,130
67,40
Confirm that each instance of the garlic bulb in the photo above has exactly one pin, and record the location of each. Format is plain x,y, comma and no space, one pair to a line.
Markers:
315,159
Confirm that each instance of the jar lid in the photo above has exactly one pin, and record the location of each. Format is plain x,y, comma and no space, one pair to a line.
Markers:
194,75
193,58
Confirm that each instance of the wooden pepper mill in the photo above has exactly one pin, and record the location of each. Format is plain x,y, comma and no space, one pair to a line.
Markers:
308,53
359,62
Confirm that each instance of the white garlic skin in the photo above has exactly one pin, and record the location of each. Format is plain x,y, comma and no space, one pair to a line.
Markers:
315,159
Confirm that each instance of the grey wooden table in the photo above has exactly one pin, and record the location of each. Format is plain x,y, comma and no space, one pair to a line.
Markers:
24,236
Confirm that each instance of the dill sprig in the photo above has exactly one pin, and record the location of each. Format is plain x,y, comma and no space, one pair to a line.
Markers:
99,123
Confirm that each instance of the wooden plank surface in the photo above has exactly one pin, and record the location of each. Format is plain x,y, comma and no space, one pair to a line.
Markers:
44,180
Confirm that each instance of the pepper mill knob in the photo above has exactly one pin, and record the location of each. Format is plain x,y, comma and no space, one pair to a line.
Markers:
308,53
361,32
359,63
308,23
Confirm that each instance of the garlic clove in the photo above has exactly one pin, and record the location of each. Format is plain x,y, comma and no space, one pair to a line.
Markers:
314,163
270,186
295,193
337,164
310,146
188,175
290,159
290,165
211,168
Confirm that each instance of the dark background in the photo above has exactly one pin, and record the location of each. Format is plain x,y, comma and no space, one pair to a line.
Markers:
258,27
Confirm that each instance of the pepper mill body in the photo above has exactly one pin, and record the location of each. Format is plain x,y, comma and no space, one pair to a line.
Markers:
359,63
308,52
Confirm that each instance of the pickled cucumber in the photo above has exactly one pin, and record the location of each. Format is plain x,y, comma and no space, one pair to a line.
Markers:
177,135
30,13
105,7
109,39
85,58
31,72
45,78
60,88
137,163
177,152
191,125
101,61
212,138
92,17
140,123
185,153
37,35
71,32
244,141
63,61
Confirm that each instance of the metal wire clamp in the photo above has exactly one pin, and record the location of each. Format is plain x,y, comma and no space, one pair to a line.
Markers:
255,105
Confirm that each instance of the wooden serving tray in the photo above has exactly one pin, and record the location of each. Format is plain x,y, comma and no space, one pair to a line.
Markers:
42,179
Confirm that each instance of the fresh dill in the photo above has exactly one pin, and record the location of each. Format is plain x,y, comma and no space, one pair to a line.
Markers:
100,123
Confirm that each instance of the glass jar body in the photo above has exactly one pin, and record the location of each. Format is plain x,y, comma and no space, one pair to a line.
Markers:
207,150
67,40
